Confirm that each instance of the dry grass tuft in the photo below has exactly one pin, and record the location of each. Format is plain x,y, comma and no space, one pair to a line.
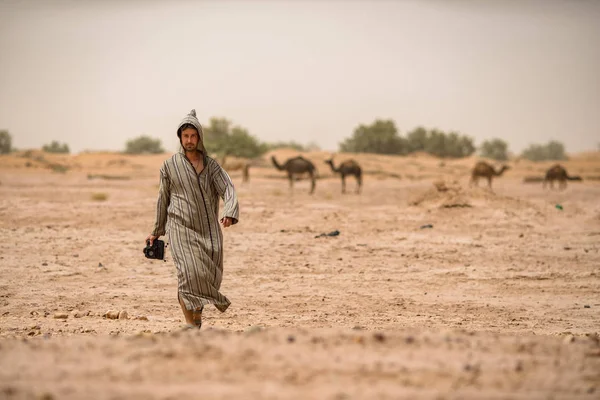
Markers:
99,196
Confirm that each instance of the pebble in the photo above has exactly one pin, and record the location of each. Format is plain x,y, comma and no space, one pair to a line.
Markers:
123,315
79,314
112,314
569,339
253,329
378,336
61,315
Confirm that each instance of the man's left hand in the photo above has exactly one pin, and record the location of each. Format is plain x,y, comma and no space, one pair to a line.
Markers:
226,221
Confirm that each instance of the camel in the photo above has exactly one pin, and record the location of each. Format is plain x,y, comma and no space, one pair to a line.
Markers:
558,173
236,165
296,166
348,167
485,170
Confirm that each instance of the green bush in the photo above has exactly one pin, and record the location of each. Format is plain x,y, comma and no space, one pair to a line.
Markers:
221,138
380,137
56,147
5,142
553,150
496,149
417,139
144,145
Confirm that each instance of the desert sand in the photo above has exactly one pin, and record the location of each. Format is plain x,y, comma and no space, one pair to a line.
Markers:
463,293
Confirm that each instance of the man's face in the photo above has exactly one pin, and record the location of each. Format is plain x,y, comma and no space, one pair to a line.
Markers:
189,139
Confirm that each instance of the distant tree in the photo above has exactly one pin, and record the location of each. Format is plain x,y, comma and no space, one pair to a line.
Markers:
221,138
417,139
496,149
56,147
5,142
380,137
144,145
453,144
556,150
553,150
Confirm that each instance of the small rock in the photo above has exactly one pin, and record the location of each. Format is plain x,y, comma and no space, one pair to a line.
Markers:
44,264
519,366
587,306
75,255
291,339
100,265
80,314
61,315
253,329
380,337
569,339
46,396
142,318
123,315
112,314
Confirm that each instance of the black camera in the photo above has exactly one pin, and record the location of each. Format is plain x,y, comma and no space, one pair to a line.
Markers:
156,250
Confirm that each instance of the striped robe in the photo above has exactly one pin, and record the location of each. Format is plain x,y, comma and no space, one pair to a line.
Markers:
188,207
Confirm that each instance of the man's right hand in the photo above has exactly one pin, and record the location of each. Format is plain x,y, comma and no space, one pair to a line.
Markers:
151,239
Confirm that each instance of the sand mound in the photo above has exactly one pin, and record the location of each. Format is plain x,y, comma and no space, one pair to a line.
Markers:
452,195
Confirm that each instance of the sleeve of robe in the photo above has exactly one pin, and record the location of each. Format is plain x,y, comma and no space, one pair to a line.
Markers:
225,189
162,204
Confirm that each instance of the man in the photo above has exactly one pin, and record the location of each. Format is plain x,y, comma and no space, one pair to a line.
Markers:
191,184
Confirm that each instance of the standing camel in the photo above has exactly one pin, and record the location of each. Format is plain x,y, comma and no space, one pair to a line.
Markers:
348,167
296,166
485,170
236,166
558,173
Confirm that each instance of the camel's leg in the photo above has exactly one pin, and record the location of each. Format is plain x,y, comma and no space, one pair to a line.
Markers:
291,179
312,182
544,182
473,182
343,183
489,179
246,176
563,184
358,183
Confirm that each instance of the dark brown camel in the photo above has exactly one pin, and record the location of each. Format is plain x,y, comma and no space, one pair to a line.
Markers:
558,173
236,165
485,170
348,167
297,166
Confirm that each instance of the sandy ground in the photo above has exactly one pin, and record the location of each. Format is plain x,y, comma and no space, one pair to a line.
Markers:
498,299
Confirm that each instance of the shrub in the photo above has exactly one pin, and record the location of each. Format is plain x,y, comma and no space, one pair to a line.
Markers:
221,138
56,147
496,149
99,196
5,142
553,150
144,145
380,137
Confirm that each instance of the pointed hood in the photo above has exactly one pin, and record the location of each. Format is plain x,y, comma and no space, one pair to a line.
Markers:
191,119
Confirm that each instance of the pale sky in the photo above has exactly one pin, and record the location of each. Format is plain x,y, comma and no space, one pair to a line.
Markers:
95,74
